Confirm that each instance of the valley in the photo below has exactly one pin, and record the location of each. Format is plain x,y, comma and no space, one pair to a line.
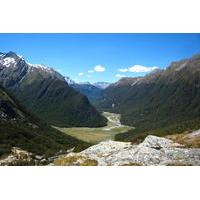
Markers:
49,119
95,135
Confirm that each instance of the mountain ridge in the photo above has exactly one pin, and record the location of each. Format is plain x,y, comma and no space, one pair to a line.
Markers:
46,93
167,100
93,91
21,129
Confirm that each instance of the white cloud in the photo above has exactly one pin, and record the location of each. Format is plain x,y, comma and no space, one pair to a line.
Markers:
80,74
99,68
123,70
119,75
141,69
138,69
90,71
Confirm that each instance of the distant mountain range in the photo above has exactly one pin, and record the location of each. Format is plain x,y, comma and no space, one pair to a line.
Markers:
101,85
18,128
164,101
46,93
92,91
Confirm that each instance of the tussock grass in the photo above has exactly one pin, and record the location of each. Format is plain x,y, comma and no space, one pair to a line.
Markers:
75,161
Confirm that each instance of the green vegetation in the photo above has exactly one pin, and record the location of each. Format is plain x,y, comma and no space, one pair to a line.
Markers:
42,141
138,134
90,91
21,129
186,140
54,102
46,94
95,135
161,103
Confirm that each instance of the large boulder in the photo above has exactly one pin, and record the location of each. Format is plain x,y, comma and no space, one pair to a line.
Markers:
155,142
152,151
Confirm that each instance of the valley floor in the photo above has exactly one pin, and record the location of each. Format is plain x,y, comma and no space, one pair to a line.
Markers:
96,135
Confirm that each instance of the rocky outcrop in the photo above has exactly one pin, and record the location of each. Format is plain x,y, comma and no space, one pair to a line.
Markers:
152,151
19,157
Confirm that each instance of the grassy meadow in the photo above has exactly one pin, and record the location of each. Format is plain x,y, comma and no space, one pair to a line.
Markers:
95,135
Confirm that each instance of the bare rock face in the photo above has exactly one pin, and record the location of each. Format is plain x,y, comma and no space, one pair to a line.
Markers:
152,151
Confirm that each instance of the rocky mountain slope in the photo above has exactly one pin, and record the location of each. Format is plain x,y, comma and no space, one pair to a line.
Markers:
46,94
161,102
18,128
152,151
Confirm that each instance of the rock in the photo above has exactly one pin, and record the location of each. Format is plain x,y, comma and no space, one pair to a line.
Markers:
152,151
70,150
194,134
37,157
104,151
158,142
18,157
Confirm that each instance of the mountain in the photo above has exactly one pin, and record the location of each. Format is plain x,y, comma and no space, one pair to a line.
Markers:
101,85
69,80
89,90
46,93
18,128
164,101
92,91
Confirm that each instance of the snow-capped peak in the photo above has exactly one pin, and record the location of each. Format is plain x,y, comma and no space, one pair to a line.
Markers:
39,66
42,67
1,55
84,83
101,85
7,61
10,59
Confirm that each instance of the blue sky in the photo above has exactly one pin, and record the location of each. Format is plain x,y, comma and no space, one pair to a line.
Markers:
102,57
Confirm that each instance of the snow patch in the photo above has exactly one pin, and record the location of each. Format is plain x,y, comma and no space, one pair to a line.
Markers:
41,67
69,81
7,61
101,85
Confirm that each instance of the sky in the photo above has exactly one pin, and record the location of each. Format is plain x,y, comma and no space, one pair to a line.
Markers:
102,57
